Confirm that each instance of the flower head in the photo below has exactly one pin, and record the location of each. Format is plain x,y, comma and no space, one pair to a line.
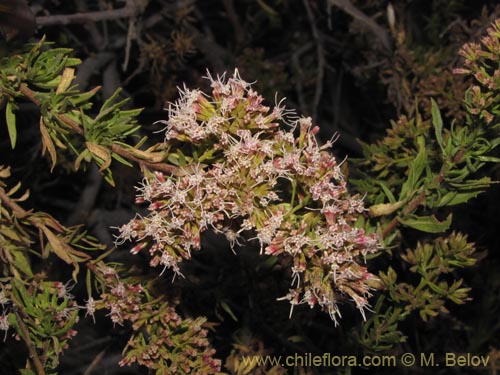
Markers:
248,178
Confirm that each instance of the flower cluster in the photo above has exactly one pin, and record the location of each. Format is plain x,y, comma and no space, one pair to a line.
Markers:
481,61
162,340
240,174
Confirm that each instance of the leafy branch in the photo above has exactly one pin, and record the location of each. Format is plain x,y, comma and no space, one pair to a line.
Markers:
431,167
44,76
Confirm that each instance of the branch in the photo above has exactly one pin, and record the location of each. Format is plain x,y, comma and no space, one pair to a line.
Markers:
350,9
20,317
122,151
162,167
321,61
61,117
132,9
295,59
417,201
235,21
16,209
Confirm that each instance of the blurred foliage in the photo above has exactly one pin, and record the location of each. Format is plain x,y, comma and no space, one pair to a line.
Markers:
393,74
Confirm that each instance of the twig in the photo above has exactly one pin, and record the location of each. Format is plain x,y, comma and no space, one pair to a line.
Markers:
90,66
132,9
95,362
20,317
321,61
167,7
63,118
96,36
350,9
235,22
298,82
162,167
17,210
206,43
21,213
417,201
131,33
336,97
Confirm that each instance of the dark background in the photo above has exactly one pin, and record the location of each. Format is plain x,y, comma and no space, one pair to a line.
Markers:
330,62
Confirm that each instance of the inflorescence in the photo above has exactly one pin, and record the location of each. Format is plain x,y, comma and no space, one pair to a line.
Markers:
239,173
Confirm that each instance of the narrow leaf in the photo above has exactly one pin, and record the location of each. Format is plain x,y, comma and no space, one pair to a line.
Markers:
416,167
84,97
228,309
153,157
117,157
21,262
267,8
101,152
66,78
384,208
80,158
490,159
453,198
11,123
437,122
387,192
59,247
47,144
427,224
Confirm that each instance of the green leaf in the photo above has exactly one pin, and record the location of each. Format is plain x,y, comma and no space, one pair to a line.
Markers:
387,191
83,97
482,183
427,224
50,84
490,159
11,123
111,104
71,322
416,167
437,122
72,61
117,157
452,198
228,309
494,143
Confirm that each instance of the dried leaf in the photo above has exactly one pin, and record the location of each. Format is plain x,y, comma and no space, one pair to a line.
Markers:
59,247
102,153
384,208
67,77
153,157
4,172
47,144
80,158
